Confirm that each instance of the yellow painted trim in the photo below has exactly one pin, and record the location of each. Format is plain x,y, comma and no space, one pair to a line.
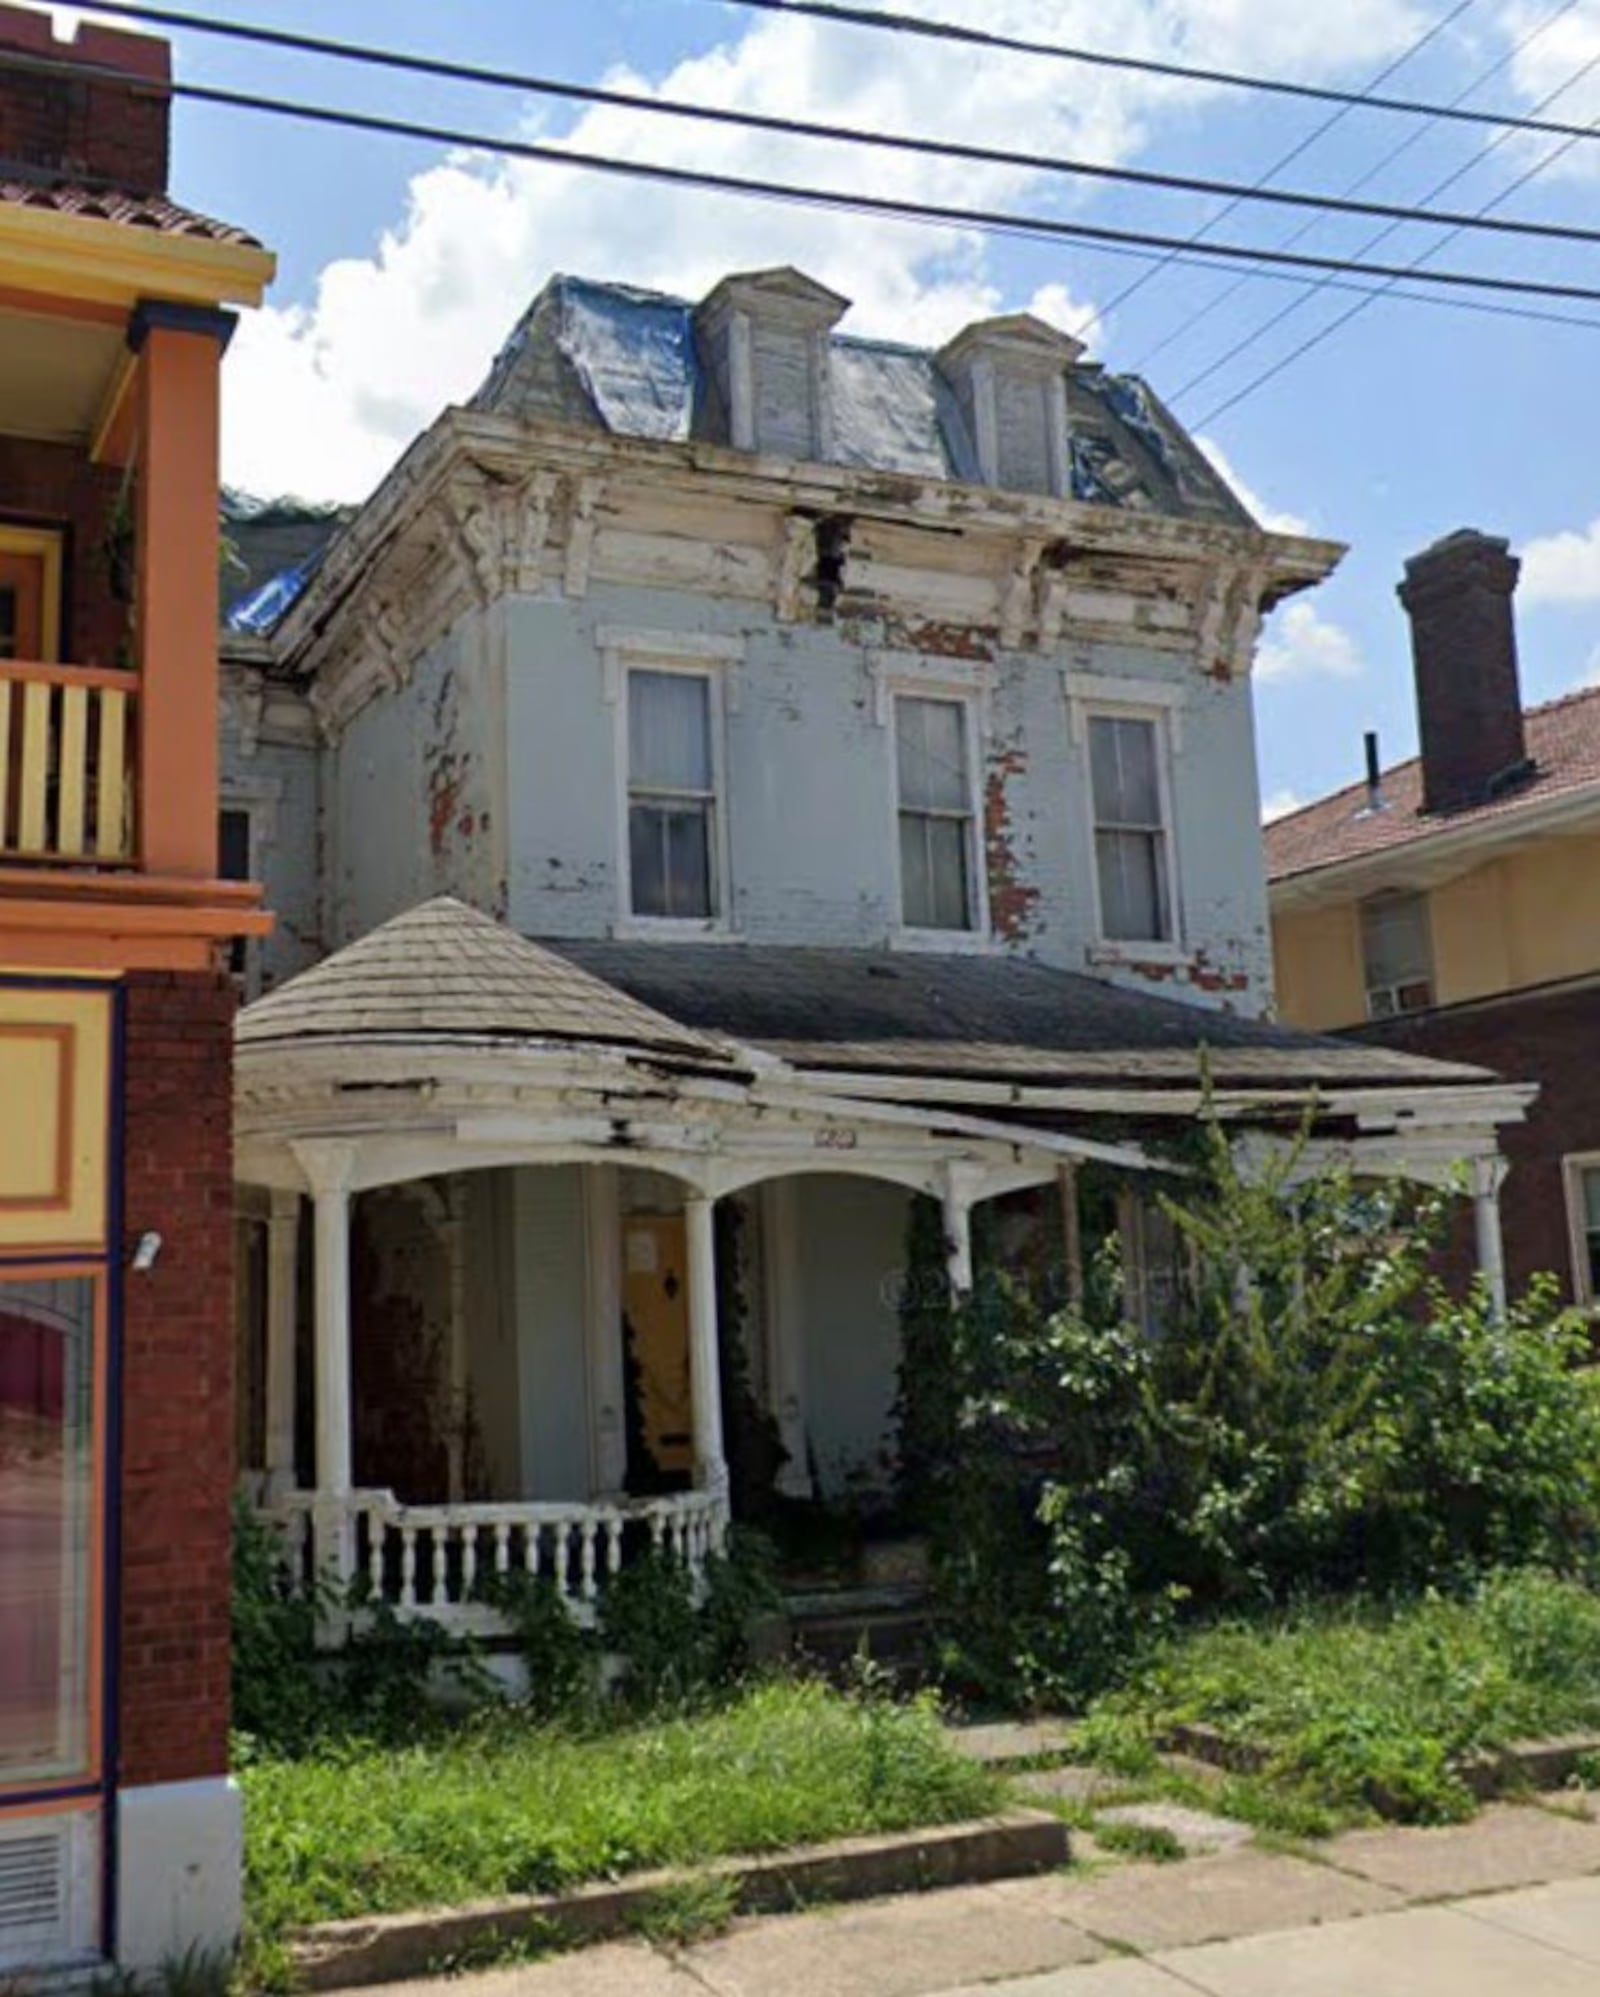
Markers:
71,1031
45,543
114,406
79,256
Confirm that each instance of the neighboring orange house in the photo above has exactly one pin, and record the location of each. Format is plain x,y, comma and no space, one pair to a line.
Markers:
119,1828
1450,906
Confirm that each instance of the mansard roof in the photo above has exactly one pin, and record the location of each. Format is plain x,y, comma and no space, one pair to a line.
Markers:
627,361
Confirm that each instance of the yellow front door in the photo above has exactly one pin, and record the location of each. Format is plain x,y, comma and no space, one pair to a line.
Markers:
655,1302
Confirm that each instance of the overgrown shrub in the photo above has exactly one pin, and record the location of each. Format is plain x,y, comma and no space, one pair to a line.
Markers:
676,1650
277,1698
1313,1412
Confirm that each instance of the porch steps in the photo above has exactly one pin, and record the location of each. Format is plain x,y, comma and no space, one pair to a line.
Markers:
831,1628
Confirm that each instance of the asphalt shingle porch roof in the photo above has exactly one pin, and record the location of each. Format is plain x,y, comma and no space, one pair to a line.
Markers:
974,1017
445,972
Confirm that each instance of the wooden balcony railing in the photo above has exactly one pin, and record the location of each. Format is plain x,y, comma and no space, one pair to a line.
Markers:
66,740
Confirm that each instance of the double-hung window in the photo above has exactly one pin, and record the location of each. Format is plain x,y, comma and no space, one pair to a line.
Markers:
1396,954
938,824
1583,1207
1132,833
672,796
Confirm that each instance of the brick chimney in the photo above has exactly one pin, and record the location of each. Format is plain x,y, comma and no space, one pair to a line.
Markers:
94,128
1464,651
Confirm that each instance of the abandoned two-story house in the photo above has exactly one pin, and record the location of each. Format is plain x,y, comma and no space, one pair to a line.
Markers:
729,780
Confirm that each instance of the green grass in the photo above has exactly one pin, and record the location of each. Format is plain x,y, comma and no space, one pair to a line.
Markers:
1361,1707
502,1806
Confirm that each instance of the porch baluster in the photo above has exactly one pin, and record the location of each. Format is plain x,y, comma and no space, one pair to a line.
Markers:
586,1586
377,1535
469,1562
502,1547
408,1567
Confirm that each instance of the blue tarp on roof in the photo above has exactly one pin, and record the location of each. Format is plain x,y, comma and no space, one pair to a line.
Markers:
634,353
253,616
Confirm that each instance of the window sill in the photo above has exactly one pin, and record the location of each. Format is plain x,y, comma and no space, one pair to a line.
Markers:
1132,955
945,942
672,928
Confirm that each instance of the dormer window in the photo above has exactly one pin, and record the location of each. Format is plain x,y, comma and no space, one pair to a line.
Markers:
1009,379
764,338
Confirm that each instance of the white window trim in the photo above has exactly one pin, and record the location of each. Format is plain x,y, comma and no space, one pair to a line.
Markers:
1573,1167
716,661
968,688
1163,717
1371,991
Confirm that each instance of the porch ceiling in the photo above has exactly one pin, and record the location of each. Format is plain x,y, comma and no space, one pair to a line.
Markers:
56,375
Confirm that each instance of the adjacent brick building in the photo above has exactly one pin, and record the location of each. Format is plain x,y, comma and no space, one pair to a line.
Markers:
119,1826
1450,905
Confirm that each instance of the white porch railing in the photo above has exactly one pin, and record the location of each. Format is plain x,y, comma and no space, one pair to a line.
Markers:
440,1561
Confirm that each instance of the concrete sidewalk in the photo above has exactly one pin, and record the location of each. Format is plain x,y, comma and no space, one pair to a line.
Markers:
1506,1906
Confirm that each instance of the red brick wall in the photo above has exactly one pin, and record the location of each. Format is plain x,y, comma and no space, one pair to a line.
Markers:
53,485
1551,1041
100,130
177,1371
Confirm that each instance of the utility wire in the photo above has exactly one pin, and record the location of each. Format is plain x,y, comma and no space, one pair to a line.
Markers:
1107,241
986,220
438,68
953,31
1271,373
1413,137
1098,314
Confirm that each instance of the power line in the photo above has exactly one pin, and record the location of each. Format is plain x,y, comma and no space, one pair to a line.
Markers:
984,220
1101,240
985,38
442,69
1098,314
1326,332
1398,151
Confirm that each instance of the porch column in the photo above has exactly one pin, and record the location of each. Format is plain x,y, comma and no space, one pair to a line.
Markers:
180,355
957,1202
328,1168
608,1437
283,1259
705,1374
786,1360
1071,1233
1488,1176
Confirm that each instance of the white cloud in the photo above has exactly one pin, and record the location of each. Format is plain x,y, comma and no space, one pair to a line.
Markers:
1561,63
1278,804
1562,568
1302,644
322,397
1271,517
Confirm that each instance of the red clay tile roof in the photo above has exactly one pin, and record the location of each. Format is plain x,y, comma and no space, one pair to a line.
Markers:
1563,740
113,204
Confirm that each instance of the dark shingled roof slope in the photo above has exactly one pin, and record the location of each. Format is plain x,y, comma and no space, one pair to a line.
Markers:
976,1017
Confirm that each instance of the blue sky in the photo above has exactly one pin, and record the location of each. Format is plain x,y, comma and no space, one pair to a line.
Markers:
401,269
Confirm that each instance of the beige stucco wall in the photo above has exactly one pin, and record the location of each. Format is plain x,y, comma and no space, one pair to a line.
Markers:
1528,918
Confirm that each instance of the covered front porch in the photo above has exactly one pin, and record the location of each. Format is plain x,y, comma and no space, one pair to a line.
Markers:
504,1296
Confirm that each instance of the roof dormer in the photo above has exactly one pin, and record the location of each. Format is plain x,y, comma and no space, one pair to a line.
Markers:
1009,377
764,336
